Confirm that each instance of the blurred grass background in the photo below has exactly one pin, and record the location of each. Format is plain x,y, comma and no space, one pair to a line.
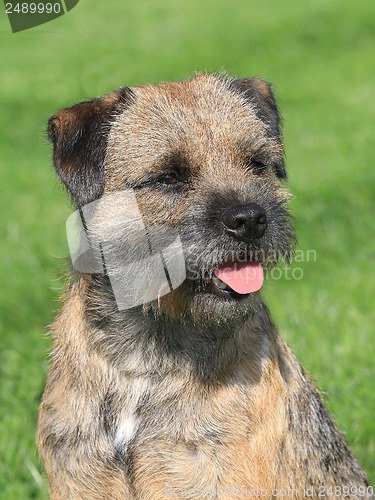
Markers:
320,57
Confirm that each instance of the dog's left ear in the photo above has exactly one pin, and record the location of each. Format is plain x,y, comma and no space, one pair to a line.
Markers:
260,94
79,135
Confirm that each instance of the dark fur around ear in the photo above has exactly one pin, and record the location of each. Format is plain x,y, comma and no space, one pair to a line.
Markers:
79,135
259,93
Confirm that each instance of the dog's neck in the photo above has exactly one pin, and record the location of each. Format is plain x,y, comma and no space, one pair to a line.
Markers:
139,341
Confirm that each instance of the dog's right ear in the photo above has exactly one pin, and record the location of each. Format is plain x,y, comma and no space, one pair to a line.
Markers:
260,94
79,135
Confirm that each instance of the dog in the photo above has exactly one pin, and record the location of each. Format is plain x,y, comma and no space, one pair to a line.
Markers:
182,389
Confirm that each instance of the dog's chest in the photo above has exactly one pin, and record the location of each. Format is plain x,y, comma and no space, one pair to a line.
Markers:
178,439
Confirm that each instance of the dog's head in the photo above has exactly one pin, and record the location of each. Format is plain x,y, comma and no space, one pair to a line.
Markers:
198,163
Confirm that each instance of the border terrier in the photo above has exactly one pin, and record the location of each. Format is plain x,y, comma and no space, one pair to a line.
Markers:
184,388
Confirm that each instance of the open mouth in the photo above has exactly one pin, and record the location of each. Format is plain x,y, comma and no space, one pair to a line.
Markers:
236,278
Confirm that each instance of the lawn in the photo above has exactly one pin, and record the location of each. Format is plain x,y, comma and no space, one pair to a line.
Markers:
320,57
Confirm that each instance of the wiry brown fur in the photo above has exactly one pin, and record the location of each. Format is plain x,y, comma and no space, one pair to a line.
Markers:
188,391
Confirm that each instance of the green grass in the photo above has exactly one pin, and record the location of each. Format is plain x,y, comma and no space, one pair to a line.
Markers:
320,56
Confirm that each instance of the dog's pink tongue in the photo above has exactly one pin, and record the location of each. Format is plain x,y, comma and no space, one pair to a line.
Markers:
242,277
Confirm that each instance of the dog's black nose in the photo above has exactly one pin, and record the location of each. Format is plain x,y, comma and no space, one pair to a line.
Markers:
245,222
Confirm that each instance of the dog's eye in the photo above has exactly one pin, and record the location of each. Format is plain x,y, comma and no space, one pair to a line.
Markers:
170,178
257,166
